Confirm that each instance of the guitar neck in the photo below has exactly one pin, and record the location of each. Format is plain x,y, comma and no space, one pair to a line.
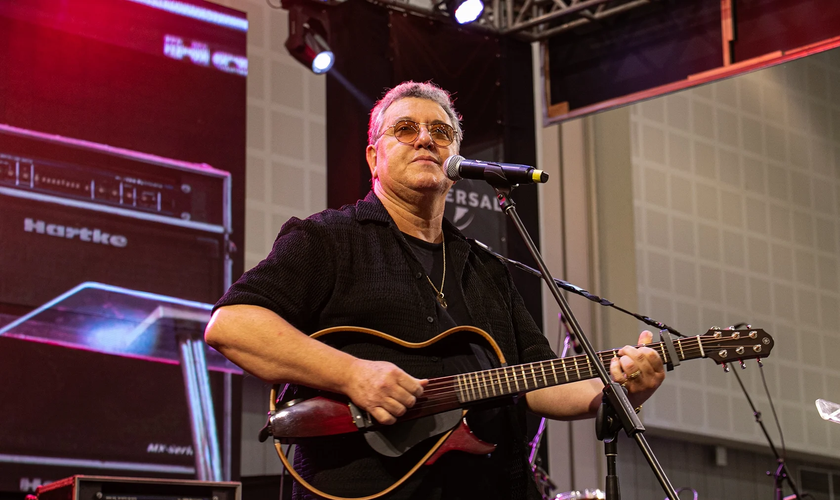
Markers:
510,380
446,393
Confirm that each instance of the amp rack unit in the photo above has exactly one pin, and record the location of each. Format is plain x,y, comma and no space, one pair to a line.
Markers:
76,211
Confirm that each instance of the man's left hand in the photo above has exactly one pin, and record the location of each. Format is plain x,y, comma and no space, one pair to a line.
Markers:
639,369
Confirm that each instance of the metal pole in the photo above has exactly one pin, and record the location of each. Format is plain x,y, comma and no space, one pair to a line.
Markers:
612,390
206,399
185,351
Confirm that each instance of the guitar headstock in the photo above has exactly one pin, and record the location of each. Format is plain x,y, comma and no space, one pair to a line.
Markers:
728,346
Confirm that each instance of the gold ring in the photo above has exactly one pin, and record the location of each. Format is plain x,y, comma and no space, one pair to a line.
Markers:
635,374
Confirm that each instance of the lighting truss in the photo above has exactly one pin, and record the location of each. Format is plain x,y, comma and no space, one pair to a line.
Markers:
532,20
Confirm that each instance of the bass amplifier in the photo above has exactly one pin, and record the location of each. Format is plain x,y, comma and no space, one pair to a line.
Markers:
76,211
73,211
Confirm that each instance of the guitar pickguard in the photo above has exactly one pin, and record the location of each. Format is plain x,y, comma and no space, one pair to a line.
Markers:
394,440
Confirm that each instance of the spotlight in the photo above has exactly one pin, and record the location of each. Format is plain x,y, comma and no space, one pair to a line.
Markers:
465,11
323,62
307,42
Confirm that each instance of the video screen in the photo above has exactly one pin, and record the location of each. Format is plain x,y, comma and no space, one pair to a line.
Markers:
122,161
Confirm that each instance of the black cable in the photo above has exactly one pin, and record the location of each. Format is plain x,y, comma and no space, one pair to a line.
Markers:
565,285
773,409
767,391
283,474
782,459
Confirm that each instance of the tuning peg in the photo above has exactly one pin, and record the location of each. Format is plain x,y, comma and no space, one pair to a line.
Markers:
760,364
743,365
725,368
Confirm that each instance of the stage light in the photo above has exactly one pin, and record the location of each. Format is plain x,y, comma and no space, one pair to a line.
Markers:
307,43
315,44
323,62
465,11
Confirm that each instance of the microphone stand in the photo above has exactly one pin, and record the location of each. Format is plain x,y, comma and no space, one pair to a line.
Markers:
614,395
781,473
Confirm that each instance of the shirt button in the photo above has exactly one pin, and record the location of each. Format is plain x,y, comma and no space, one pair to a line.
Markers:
418,275
430,319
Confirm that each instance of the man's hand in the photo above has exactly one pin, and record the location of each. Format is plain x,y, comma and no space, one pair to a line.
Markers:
382,389
639,369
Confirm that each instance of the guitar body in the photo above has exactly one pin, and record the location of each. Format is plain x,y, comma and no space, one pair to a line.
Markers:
429,433
436,424
462,439
321,416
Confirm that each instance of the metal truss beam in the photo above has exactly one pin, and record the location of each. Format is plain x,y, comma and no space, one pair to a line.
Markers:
533,20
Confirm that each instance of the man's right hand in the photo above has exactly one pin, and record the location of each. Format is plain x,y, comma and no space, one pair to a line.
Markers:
382,389
277,352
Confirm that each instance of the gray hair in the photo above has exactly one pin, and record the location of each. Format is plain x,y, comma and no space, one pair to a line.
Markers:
424,90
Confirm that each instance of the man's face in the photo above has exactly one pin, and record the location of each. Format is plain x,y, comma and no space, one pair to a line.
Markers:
417,166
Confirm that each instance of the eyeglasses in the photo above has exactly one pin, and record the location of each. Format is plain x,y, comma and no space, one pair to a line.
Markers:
407,131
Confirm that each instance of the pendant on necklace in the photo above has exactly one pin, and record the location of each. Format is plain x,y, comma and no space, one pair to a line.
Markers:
441,300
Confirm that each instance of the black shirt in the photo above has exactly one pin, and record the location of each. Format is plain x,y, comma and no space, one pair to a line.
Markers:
353,267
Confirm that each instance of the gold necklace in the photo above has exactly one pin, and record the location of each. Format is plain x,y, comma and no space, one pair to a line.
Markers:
440,298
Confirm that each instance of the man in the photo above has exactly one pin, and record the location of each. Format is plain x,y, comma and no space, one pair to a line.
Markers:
392,263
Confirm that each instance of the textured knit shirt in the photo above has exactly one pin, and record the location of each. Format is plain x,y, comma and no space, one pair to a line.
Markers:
353,267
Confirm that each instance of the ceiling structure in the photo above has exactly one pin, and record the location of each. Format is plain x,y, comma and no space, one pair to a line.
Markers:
532,20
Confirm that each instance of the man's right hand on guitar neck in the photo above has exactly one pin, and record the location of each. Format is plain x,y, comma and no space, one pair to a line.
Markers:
382,389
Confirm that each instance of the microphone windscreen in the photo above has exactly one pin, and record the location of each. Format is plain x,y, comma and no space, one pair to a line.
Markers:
451,167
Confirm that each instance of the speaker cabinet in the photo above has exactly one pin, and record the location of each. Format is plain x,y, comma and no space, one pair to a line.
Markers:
70,411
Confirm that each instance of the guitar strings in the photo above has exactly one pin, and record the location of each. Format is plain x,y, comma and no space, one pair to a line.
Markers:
482,377
444,390
448,395
517,370
483,383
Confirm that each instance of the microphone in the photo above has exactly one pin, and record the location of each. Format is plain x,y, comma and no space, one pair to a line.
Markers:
457,167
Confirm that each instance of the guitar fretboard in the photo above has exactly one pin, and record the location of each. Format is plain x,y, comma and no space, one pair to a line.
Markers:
509,380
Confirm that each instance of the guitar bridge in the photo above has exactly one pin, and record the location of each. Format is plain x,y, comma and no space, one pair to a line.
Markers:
362,419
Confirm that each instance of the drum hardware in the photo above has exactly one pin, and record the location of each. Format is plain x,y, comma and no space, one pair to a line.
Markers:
686,488
581,495
544,483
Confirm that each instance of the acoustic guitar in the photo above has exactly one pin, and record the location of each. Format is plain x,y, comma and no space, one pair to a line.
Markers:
440,412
